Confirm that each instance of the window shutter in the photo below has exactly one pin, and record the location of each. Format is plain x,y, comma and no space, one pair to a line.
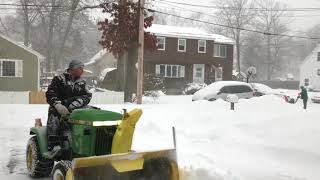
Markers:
216,50
157,70
182,71
0,68
224,51
19,68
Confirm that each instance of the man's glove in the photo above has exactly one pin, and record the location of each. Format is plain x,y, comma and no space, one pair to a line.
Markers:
75,104
62,110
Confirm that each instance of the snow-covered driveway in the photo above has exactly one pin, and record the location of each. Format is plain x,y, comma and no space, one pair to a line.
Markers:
264,138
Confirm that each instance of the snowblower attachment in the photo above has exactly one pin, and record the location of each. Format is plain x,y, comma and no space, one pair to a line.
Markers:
157,165
124,164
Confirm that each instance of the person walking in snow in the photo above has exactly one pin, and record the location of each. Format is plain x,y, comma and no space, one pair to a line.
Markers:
67,92
304,96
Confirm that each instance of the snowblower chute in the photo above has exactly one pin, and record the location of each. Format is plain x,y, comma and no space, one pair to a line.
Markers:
97,146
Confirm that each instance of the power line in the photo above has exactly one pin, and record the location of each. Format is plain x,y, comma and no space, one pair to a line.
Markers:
28,5
231,27
248,8
210,15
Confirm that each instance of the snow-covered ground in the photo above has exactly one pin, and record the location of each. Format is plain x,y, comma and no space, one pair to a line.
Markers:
263,139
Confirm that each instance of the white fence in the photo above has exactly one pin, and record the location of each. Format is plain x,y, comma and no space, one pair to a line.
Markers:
109,97
14,97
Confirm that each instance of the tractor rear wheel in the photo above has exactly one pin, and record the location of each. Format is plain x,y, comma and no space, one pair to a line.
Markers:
60,170
37,166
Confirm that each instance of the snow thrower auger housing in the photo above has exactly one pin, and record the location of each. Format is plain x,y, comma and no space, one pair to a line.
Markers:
97,146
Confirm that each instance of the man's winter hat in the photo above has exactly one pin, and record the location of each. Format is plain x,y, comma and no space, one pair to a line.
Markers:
75,64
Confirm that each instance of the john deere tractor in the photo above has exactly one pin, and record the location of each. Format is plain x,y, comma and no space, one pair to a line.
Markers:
96,145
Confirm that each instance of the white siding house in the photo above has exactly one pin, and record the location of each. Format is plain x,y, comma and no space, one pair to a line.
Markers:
310,70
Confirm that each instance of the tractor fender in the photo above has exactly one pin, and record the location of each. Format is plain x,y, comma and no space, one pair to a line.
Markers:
41,134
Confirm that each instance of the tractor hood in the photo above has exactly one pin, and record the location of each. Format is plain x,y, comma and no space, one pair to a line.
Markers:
95,117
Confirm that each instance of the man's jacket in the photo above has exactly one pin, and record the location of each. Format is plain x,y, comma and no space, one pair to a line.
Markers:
71,93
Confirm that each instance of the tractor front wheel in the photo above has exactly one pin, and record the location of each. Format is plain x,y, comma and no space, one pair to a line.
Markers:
60,170
37,166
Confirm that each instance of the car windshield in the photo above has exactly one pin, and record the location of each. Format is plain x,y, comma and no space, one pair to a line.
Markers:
239,89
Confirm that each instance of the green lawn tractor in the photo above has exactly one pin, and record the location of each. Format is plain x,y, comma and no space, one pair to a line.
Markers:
97,146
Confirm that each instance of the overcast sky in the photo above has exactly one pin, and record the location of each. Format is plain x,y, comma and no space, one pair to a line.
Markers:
297,23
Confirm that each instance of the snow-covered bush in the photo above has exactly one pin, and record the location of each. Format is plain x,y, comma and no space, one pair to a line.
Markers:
154,94
191,88
153,86
153,83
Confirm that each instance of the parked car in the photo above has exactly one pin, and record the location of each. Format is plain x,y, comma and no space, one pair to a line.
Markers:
221,89
315,99
261,89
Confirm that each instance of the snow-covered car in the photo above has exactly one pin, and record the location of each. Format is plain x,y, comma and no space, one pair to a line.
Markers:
221,90
261,89
315,99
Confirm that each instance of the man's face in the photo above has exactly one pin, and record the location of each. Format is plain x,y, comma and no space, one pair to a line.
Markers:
77,73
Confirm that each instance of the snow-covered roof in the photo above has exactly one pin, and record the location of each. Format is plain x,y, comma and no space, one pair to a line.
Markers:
88,71
96,57
187,32
105,71
40,56
308,58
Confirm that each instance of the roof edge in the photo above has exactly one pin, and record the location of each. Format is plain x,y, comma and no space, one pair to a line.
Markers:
39,56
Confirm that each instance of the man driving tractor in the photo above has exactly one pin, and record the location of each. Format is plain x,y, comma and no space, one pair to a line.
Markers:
90,143
67,92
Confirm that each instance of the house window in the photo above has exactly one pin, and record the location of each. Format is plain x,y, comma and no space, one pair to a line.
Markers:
318,56
170,71
10,68
306,82
182,45
202,46
161,43
162,70
220,50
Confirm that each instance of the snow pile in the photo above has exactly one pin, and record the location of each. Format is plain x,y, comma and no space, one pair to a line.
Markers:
263,139
262,88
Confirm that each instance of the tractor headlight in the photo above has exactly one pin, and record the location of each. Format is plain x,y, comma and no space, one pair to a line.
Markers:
106,123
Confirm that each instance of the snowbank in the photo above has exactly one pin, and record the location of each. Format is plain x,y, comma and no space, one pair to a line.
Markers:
263,139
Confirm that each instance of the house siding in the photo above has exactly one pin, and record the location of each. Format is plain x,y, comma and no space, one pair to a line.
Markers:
30,79
171,55
308,70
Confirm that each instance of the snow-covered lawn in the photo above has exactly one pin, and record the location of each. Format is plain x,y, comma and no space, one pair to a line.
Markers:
263,139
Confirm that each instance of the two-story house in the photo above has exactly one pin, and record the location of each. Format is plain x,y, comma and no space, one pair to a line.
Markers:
187,55
310,70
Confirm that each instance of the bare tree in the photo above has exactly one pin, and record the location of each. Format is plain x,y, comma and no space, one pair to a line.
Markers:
237,15
29,16
269,21
74,5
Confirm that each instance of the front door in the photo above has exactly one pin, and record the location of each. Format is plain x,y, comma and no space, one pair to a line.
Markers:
198,73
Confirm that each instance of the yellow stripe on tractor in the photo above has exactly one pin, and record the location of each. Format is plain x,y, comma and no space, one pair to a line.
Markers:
124,164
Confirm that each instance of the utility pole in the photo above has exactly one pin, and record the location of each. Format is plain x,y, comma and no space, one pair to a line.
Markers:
140,53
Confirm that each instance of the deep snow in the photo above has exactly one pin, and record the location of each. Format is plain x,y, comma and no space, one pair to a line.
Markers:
263,139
